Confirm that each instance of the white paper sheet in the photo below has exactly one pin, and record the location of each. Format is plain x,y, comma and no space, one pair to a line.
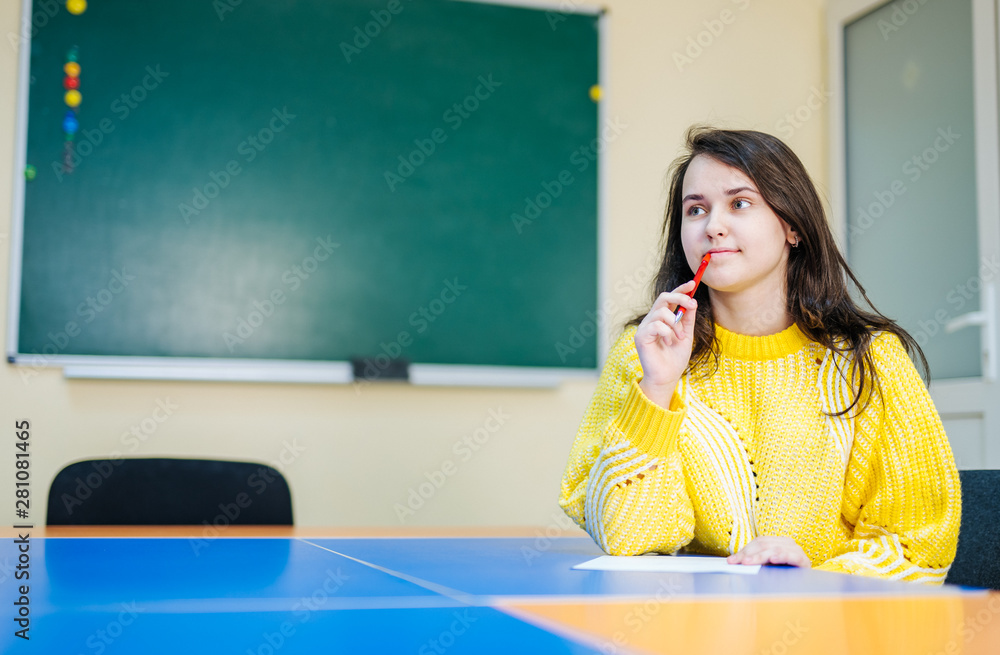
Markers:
667,564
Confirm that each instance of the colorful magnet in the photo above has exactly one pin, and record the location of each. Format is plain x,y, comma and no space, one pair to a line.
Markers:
30,172
73,98
70,123
595,92
76,7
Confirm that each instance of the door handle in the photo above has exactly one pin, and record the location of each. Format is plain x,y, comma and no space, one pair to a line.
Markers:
984,319
965,320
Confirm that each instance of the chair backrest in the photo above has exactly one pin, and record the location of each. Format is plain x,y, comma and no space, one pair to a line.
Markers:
977,563
169,492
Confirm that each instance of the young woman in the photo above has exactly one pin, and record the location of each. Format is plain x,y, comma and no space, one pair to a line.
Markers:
777,422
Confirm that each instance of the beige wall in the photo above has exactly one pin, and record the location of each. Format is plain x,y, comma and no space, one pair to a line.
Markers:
362,452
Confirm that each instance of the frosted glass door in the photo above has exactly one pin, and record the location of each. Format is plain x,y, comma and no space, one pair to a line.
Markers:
912,233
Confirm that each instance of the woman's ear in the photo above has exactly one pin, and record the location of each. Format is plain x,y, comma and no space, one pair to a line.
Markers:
792,237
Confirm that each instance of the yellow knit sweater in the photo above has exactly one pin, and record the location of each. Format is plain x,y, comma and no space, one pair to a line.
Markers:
751,451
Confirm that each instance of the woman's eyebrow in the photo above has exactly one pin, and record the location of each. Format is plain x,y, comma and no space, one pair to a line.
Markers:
730,192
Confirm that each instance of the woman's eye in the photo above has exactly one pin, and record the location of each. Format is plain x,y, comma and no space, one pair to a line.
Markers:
696,211
741,204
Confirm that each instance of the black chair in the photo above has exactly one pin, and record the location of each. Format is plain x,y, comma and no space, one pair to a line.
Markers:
169,492
977,563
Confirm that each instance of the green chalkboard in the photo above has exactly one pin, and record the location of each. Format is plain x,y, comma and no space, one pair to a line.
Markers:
312,180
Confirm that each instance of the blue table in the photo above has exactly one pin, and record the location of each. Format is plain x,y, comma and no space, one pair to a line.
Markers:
263,596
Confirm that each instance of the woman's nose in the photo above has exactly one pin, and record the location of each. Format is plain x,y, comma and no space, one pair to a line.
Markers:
716,224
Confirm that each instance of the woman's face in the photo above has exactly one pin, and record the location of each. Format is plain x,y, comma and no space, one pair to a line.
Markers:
724,214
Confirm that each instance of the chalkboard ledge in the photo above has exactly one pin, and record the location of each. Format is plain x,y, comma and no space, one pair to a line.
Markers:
194,369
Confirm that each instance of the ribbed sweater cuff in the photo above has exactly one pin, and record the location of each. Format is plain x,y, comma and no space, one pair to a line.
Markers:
648,426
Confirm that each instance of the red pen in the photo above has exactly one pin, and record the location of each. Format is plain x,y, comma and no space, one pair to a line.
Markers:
697,281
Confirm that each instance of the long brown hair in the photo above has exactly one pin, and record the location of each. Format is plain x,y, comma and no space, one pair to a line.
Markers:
817,275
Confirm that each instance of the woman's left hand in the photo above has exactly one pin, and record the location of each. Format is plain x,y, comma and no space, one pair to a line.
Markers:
771,550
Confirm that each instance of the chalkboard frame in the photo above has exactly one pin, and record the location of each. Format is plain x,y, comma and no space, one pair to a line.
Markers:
276,370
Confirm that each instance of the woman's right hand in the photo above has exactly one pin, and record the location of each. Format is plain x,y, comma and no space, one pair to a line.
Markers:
664,347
